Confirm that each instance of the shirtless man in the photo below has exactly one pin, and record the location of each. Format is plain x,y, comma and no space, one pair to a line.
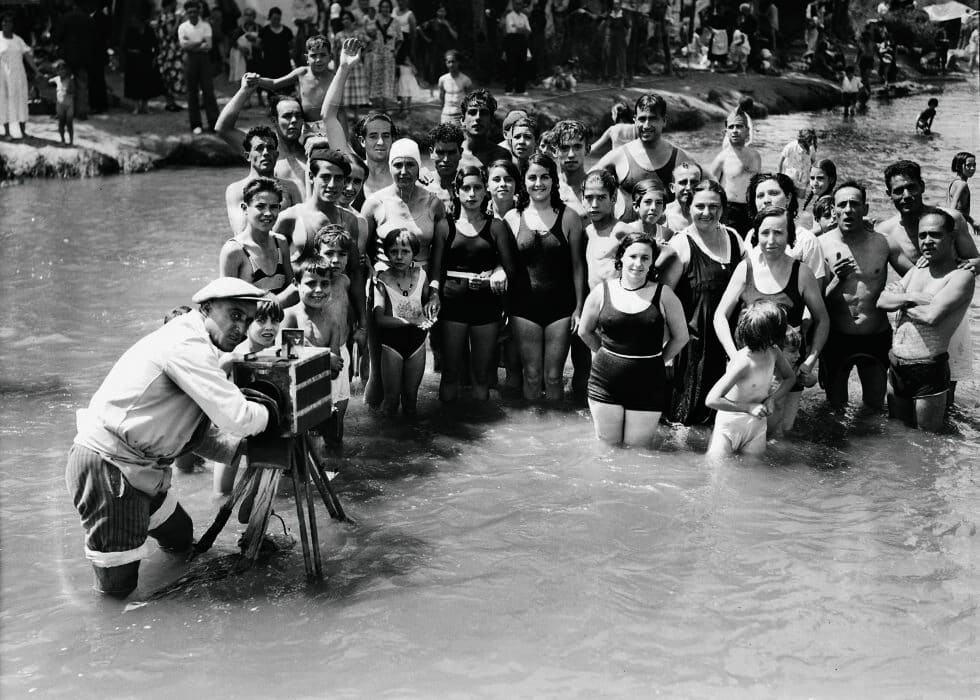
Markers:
446,152
648,155
686,176
571,146
859,331
261,151
478,109
931,301
903,181
733,168
287,118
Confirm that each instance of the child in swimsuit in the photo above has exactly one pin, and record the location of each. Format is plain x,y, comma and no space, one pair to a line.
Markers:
404,314
742,396
924,123
251,254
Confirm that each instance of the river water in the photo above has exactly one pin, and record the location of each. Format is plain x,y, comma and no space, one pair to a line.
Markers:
498,551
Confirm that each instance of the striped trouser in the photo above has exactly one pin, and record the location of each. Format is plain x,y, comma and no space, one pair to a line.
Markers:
117,517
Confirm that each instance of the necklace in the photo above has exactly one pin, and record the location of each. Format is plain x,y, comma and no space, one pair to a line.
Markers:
631,289
411,285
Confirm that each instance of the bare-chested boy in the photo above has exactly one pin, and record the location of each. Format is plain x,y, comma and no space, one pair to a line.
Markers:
931,301
903,181
733,167
261,151
685,177
860,334
311,80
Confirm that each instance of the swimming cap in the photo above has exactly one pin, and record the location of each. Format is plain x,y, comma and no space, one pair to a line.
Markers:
404,148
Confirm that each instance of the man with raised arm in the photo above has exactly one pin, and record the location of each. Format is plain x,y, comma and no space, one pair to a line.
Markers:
261,152
931,301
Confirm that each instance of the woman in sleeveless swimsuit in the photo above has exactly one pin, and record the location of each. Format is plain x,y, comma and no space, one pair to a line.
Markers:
546,298
477,259
403,314
706,256
623,323
770,273
256,255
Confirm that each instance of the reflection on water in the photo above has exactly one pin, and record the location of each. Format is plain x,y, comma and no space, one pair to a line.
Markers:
499,550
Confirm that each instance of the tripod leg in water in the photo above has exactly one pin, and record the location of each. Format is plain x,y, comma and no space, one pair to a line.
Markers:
261,512
208,538
322,483
310,507
299,476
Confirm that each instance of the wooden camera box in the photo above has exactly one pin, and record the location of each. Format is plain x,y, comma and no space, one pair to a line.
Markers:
300,384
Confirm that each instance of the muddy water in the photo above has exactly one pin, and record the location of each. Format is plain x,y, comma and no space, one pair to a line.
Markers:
499,551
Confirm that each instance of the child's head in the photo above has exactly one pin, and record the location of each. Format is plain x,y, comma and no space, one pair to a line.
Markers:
332,243
600,191
933,102
317,52
825,214
761,326
823,177
261,202
964,164
175,312
264,328
313,278
792,345
649,198
400,246
61,68
452,61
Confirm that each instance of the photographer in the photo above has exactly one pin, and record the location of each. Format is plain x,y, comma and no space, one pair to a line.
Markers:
166,396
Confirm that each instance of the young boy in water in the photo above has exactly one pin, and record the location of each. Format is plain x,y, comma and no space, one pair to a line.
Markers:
312,81
923,124
733,167
323,313
743,396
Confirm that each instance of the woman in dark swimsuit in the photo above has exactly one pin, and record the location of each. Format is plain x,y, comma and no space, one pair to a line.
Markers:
546,298
769,272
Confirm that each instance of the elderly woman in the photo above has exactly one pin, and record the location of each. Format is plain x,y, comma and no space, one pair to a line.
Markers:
770,273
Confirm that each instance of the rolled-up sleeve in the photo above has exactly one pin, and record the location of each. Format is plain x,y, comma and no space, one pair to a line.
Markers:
195,370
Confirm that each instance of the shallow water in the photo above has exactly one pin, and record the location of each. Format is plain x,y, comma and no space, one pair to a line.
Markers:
499,550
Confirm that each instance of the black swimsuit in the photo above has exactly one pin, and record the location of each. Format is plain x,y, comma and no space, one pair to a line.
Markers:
276,282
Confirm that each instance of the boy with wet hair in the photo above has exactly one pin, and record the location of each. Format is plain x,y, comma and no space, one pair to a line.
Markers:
743,396
569,148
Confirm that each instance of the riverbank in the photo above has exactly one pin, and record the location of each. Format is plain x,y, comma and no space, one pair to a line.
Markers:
121,142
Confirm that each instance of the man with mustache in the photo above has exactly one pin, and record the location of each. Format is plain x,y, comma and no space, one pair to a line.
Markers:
168,395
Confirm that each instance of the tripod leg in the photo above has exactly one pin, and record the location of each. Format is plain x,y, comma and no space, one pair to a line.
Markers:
258,521
208,538
299,478
307,475
327,493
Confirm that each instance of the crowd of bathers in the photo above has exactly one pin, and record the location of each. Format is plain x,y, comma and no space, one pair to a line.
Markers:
685,292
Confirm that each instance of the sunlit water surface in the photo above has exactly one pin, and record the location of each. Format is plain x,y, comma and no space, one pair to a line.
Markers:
498,551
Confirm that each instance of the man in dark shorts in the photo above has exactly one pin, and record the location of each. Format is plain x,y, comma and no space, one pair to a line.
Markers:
168,395
860,334
931,301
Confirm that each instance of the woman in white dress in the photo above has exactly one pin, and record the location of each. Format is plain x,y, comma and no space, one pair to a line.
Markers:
14,53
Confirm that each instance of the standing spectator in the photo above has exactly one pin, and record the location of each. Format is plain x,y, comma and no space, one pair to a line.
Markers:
453,86
749,26
389,39
814,18
942,48
365,12
616,26
277,44
74,36
718,44
658,19
797,157
14,54
194,35
64,85
358,85
168,56
219,41
408,24
439,37
973,49
246,54
517,32
141,80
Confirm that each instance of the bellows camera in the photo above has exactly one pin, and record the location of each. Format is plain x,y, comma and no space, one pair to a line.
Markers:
297,377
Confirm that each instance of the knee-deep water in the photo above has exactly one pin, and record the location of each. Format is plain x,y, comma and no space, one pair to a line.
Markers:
499,550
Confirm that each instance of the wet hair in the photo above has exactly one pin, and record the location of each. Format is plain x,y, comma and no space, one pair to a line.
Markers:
312,264
830,170
904,168
761,325
570,130
823,206
853,184
712,186
446,133
469,170
770,212
263,132
785,183
175,312
257,185
959,161
621,113
268,310
933,102
361,128
949,223
688,166
333,234
317,41
631,238
274,101
546,162
651,102
604,178
327,155
397,234
480,97
650,184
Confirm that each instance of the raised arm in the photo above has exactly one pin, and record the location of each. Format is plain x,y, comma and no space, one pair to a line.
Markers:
350,54
225,126
275,84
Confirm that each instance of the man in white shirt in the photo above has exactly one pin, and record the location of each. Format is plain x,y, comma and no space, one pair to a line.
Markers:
194,36
168,395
